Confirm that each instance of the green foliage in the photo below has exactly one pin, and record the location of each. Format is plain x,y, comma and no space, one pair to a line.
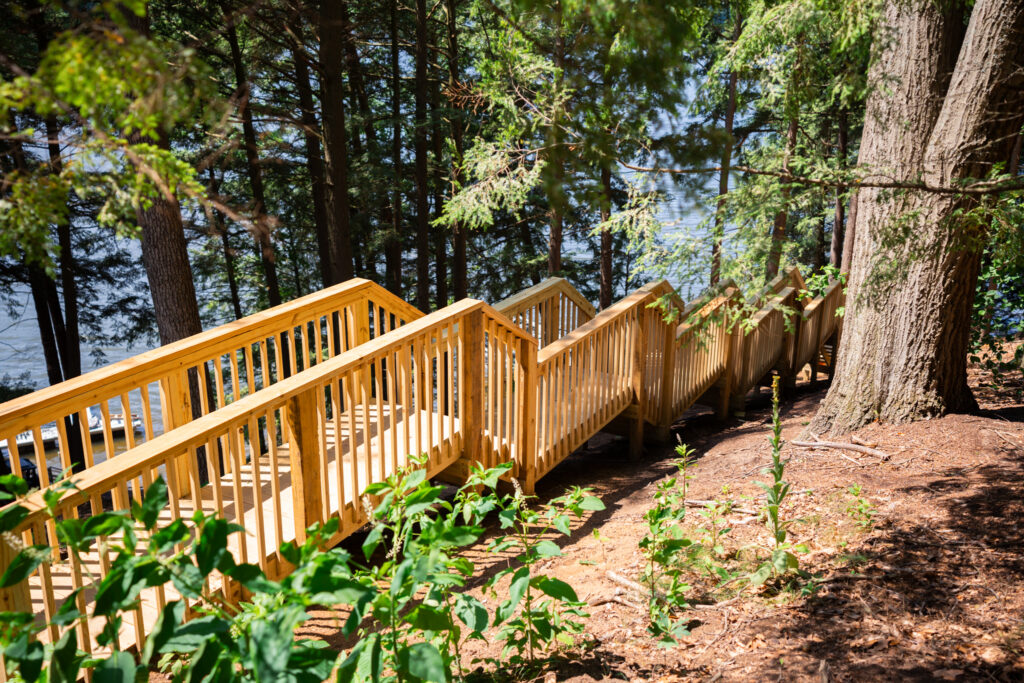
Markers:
123,90
664,546
540,612
406,605
860,509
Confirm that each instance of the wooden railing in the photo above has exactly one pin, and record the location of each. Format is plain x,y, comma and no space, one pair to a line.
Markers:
462,385
817,324
549,310
303,450
165,388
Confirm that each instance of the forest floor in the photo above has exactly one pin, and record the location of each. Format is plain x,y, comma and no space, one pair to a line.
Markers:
918,576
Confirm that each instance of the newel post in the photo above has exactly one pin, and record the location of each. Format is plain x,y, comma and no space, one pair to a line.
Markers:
471,411
176,405
732,353
668,375
304,424
527,437
636,429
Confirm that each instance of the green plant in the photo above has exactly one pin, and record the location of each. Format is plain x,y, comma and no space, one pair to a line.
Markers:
782,559
860,509
664,546
405,610
540,611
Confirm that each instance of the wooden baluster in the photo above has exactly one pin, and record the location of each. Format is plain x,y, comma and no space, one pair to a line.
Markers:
303,443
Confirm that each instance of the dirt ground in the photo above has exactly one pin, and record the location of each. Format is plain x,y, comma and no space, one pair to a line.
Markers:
929,589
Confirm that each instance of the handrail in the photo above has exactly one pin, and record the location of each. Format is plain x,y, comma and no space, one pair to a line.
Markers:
163,388
465,384
146,454
548,310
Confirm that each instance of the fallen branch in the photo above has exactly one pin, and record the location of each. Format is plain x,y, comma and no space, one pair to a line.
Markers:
705,503
882,455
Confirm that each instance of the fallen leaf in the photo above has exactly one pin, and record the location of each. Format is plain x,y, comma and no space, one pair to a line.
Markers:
948,674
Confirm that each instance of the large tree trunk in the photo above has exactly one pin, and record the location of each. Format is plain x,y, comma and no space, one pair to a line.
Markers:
332,101
393,243
314,160
419,137
914,265
252,163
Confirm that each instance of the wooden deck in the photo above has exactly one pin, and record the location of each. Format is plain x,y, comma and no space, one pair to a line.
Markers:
372,384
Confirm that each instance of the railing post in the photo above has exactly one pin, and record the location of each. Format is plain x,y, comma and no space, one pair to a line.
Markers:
302,417
550,321
527,358
636,430
668,372
738,389
176,404
472,410
732,341
793,341
15,598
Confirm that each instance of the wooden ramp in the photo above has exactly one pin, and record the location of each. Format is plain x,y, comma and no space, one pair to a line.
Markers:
373,384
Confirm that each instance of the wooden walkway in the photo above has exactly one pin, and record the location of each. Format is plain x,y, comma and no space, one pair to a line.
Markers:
338,389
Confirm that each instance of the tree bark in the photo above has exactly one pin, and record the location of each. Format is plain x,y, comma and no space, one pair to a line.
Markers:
723,175
332,102
221,228
779,227
393,243
419,137
460,274
262,224
605,295
440,234
314,158
947,113
556,180
835,254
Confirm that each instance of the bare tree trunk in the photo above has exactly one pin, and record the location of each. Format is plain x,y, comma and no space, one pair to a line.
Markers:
440,234
460,277
314,158
556,181
393,244
835,254
419,137
948,113
849,235
252,162
723,176
605,296
221,228
779,228
332,102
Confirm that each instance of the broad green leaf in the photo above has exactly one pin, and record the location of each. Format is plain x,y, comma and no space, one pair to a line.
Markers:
118,668
23,564
423,661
